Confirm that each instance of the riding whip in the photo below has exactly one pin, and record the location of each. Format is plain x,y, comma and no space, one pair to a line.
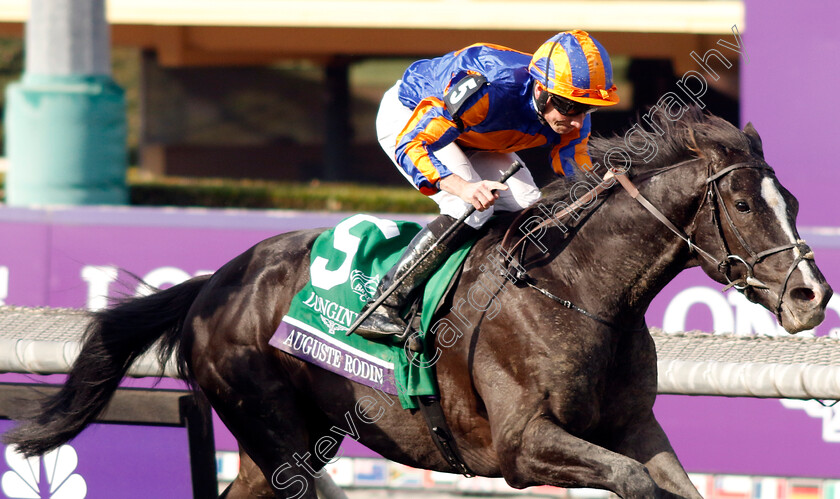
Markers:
373,306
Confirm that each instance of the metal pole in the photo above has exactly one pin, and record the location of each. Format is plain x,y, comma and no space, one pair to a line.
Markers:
66,122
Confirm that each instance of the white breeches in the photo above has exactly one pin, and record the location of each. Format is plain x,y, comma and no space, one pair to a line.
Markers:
472,167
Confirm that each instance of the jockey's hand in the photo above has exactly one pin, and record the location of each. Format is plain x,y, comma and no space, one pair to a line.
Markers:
479,194
482,194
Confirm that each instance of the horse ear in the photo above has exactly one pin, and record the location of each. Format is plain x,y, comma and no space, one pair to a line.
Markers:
755,140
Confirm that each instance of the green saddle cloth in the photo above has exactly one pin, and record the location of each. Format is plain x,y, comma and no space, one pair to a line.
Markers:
346,265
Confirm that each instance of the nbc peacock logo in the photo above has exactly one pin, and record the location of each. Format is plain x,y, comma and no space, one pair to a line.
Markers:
48,477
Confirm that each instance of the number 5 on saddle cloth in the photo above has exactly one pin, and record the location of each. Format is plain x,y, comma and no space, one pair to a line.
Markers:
347,263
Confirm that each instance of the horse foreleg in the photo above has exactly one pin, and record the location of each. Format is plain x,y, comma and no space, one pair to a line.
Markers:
646,442
545,454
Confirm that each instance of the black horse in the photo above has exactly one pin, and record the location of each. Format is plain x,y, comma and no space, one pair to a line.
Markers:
547,374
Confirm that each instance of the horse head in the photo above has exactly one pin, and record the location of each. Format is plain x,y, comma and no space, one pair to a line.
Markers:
743,233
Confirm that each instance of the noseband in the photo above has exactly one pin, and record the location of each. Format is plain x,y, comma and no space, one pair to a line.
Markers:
802,250
713,197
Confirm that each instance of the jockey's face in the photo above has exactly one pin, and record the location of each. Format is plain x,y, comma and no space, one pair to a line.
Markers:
559,122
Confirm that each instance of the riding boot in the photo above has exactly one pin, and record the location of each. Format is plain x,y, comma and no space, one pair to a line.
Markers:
387,320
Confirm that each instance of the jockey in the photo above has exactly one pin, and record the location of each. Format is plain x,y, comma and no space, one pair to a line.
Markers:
452,124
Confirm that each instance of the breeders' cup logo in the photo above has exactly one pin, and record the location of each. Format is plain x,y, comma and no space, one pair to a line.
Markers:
335,316
333,326
363,285
27,480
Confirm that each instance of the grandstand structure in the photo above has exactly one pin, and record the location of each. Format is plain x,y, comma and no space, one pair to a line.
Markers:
46,341
198,57
236,32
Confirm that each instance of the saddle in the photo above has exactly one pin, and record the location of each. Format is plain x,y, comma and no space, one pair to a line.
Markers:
346,265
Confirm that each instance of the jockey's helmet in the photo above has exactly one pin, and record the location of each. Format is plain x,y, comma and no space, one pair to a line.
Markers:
574,66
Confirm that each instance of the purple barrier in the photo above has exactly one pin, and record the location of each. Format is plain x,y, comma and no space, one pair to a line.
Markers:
73,258
744,436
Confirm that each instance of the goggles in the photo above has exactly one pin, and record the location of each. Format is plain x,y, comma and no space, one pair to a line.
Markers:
569,107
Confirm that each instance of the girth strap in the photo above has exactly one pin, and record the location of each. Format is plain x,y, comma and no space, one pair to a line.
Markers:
441,434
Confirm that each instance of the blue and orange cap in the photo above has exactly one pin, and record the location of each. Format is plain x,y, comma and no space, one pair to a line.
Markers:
574,65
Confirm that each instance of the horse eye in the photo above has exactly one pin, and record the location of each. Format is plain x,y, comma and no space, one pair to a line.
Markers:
742,206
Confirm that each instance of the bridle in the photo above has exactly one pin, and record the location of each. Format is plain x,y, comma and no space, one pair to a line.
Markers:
801,249
711,196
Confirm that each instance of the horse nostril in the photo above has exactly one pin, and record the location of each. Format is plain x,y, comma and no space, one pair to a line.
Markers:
804,294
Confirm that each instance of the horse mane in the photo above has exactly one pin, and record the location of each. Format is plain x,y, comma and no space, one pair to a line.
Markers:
690,136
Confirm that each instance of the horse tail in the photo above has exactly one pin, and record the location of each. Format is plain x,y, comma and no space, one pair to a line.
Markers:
113,340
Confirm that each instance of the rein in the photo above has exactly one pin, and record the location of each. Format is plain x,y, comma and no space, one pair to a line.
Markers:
712,195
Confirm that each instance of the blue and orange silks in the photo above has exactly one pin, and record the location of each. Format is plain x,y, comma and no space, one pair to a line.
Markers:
498,117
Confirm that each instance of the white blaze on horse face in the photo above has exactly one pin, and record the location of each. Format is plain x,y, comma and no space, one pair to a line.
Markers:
776,201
